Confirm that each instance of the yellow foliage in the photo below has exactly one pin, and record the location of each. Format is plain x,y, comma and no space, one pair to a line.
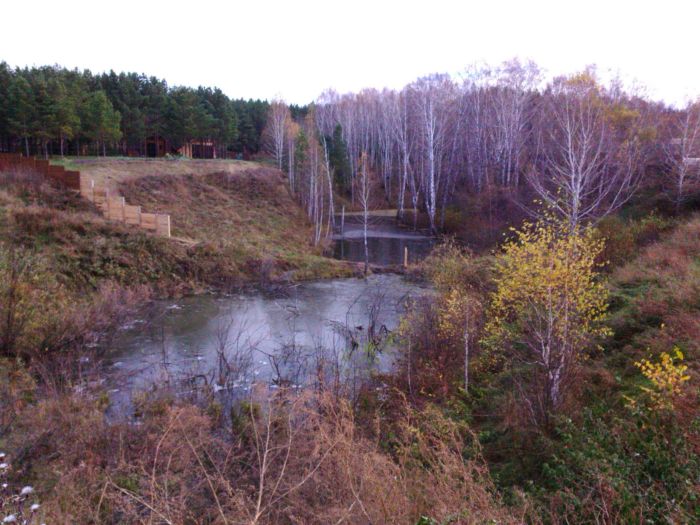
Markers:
583,81
459,316
667,377
458,278
451,321
546,277
621,116
446,267
549,304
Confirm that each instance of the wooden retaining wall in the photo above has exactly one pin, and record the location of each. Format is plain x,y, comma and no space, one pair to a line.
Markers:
112,205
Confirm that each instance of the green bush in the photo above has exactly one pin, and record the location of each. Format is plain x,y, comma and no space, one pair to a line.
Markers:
641,467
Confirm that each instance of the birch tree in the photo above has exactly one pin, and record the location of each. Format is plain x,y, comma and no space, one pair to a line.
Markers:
363,193
681,153
589,170
323,122
276,129
431,99
475,138
580,146
548,308
292,132
510,97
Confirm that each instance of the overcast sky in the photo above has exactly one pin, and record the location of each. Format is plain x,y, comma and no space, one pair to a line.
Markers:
298,48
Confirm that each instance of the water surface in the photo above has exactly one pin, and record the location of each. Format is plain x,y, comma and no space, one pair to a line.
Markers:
387,242
231,341
338,327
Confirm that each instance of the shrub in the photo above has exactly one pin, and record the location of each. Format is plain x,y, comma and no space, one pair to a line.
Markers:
548,308
30,302
623,238
292,459
667,377
617,466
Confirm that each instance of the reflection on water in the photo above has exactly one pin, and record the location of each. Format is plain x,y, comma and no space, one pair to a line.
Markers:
384,251
231,341
386,242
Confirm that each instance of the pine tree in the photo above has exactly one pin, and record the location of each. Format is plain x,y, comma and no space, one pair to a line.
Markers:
5,82
44,121
21,110
103,120
66,123
339,159
52,104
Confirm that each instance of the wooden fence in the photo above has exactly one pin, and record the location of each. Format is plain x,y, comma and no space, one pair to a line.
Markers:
112,205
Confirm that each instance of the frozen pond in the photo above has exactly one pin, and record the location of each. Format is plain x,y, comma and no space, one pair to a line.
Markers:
333,326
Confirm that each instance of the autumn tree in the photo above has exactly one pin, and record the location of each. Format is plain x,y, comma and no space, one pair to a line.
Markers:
274,135
591,146
309,174
547,310
461,282
681,153
668,377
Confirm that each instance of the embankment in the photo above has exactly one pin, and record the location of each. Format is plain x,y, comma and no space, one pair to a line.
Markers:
231,229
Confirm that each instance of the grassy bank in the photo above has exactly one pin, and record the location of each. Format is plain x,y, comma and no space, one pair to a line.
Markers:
246,221
615,454
231,228
111,171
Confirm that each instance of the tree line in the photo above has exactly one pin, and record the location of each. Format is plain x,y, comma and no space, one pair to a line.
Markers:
53,110
581,146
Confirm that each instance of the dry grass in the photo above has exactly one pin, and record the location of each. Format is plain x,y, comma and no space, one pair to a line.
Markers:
248,218
288,460
83,250
112,171
237,229
656,295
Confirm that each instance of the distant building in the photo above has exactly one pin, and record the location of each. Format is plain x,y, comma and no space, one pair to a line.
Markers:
156,147
194,149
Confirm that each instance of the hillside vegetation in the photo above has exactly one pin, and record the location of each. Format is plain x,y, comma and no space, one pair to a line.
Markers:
621,448
234,229
110,172
624,445
245,219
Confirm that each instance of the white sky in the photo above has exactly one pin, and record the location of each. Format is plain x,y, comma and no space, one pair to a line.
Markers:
298,48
